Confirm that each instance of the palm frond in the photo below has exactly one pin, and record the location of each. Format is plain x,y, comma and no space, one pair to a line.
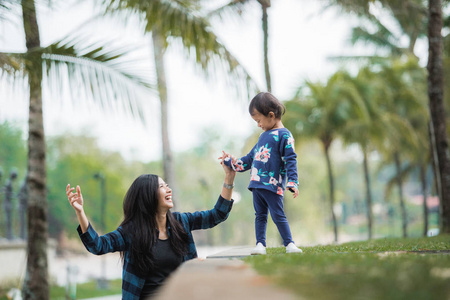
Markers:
8,9
382,38
359,7
233,8
11,63
97,73
361,60
181,23
411,15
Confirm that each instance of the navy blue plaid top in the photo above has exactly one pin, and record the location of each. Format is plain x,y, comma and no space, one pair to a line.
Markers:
118,240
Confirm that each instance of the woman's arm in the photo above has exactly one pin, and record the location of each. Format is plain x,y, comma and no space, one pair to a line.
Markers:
76,200
110,242
228,181
210,218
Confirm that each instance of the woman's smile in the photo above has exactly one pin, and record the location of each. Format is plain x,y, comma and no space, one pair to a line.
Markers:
165,194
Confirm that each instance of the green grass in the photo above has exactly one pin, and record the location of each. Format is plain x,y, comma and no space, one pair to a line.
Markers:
88,290
83,290
394,268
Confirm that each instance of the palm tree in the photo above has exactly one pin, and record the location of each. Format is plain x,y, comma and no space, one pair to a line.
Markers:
404,104
437,111
366,132
324,113
236,6
98,72
412,17
179,19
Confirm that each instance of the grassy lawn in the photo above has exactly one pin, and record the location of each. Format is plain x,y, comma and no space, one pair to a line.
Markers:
414,268
84,290
88,290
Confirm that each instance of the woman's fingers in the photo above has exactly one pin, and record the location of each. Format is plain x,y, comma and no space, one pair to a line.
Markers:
69,189
71,196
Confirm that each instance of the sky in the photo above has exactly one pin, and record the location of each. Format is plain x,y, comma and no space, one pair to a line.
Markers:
302,36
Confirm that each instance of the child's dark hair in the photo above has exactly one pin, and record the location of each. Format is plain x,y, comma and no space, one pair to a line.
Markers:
265,103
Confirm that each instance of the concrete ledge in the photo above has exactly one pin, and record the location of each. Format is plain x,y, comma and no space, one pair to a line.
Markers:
219,278
236,252
13,258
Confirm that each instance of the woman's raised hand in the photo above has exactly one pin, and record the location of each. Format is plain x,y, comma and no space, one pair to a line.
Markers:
75,199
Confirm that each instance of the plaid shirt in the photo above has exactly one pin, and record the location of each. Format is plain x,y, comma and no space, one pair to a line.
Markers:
118,240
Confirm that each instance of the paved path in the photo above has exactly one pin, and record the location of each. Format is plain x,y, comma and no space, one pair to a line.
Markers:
220,276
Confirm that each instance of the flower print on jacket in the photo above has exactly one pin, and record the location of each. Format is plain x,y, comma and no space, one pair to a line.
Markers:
239,165
275,135
272,179
263,154
280,191
255,176
290,141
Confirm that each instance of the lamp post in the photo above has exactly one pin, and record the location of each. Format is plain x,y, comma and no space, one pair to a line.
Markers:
102,282
8,205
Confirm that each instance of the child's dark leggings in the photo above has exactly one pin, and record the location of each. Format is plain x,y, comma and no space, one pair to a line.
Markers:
264,201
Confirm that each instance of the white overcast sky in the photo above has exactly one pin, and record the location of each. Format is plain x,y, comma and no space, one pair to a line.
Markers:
301,38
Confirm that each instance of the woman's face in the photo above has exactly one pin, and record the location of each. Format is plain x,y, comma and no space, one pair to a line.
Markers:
165,195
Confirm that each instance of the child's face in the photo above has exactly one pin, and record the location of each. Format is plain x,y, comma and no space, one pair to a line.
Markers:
265,122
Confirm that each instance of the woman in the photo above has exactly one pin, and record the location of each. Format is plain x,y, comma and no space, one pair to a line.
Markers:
152,240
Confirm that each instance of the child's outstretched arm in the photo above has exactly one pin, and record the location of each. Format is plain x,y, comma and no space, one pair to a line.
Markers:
76,200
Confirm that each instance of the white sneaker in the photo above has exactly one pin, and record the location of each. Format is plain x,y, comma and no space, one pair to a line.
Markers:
291,248
259,250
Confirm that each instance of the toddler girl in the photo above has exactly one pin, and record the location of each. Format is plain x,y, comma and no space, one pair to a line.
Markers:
271,161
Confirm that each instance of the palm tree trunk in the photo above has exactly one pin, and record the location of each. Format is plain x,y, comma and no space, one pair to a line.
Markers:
368,194
265,25
331,185
434,164
423,180
400,194
437,111
36,284
159,49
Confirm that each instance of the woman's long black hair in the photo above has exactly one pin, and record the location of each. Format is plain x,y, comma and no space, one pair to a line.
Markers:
139,209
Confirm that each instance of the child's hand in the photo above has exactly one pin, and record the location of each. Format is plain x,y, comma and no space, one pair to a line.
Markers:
294,191
224,155
227,169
